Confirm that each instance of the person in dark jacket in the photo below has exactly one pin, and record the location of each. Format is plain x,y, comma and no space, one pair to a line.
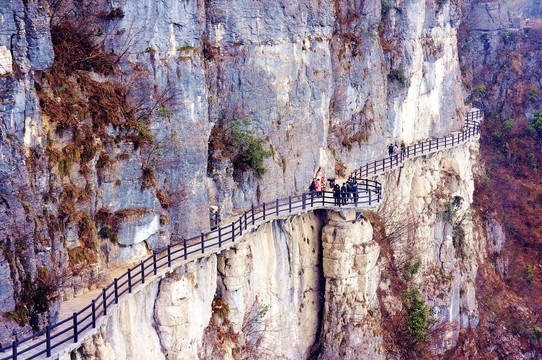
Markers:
348,190
337,194
355,191
343,194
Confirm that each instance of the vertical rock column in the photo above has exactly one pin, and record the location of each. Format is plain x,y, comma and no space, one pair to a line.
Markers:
349,326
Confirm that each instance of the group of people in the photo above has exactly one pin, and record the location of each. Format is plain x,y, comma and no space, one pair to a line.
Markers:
393,150
342,194
345,193
318,185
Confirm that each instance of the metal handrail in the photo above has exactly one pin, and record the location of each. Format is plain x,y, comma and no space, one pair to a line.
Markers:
368,195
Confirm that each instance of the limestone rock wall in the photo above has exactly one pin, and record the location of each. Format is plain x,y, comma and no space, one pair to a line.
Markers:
325,284
327,85
351,262
271,282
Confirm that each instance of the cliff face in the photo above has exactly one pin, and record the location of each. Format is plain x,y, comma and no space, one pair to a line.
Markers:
325,285
500,52
112,152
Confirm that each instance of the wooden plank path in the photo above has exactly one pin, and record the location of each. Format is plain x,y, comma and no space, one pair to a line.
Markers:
83,315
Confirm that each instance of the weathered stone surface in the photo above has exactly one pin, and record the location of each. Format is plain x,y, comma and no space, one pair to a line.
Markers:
280,272
352,277
6,62
309,75
136,229
7,302
183,309
128,333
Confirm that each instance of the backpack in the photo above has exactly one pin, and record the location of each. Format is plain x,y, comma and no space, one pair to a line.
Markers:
312,187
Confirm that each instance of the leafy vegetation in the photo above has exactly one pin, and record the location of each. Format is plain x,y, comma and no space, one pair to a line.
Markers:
384,8
506,125
36,295
398,76
419,315
239,143
411,270
220,307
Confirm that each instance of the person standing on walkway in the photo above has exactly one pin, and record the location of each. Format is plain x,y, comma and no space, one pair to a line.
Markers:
355,191
343,194
323,185
337,194
317,187
348,190
403,150
390,150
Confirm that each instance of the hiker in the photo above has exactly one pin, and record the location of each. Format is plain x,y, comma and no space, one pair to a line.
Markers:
317,187
348,190
323,184
337,194
355,190
343,194
395,149
403,150
312,186
390,150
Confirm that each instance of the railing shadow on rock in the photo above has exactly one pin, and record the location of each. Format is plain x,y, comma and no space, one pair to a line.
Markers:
70,330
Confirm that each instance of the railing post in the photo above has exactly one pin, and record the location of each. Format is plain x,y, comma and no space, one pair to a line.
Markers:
304,205
246,220
48,341
312,198
143,272
203,243
14,350
323,198
241,226
252,214
219,237
277,207
289,204
233,231
75,332
93,314
185,250
116,291
104,297
169,254
129,280
370,200
154,262
263,211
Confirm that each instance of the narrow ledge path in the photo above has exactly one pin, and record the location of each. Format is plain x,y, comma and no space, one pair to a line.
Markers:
83,315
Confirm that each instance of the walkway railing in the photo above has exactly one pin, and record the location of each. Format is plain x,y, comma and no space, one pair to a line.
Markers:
77,327
471,129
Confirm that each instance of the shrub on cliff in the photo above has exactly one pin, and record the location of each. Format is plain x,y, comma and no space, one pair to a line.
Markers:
419,316
239,143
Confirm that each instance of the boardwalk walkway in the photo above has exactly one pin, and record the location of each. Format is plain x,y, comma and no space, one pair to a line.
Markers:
83,315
